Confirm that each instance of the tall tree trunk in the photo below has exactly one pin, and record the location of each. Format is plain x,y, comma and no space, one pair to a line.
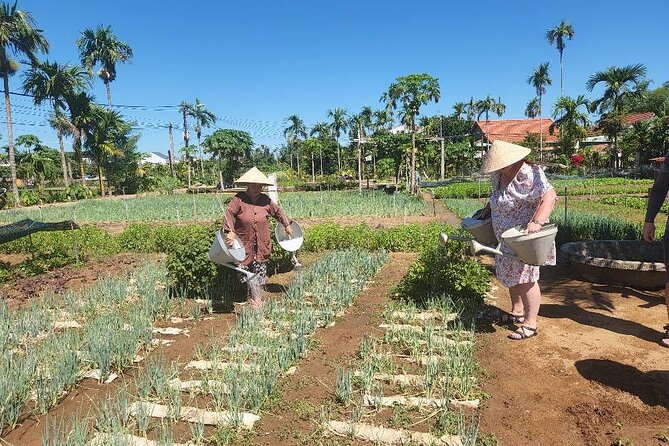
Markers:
109,103
10,142
313,168
321,154
199,150
414,189
297,156
541,132
76,146
561,91
359,160
338,156
63,163
185,129
101,183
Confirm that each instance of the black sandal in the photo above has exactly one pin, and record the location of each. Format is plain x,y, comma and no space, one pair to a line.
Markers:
510,318
524,332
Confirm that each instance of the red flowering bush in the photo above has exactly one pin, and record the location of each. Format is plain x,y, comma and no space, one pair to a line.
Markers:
577,159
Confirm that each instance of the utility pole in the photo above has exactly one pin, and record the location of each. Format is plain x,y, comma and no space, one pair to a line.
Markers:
441,135
359,159
170,155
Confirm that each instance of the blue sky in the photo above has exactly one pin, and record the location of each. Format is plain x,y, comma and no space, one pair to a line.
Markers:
253,63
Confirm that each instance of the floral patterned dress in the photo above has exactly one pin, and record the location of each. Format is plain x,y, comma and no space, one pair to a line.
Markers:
514,206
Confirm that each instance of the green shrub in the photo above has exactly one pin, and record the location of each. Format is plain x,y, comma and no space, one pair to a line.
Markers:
138,238
447,273
29,197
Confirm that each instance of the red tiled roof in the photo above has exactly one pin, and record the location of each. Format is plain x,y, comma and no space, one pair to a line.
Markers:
633,118
515,130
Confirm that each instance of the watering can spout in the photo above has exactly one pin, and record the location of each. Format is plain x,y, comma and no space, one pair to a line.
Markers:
476,247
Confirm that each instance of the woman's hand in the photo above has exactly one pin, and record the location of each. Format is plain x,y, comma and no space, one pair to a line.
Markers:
533,227
230,238
648,232
289,231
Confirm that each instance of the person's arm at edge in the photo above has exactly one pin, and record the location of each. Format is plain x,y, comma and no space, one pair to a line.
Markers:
655,199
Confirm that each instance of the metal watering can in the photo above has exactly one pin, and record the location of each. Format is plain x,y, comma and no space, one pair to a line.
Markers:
228,256
533,248
290,243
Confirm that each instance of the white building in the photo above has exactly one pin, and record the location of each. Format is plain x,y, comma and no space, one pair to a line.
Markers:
155,158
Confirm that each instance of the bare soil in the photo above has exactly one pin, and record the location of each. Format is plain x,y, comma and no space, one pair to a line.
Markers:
595,374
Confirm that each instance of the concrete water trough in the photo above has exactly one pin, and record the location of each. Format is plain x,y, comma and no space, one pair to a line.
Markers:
632,263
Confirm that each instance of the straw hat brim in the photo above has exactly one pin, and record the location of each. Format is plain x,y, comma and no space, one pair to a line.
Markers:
503,154
254,176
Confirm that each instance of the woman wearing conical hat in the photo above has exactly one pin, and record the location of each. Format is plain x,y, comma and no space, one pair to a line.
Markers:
247,216
521,196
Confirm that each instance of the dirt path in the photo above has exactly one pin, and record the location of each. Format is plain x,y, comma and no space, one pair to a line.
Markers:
295,418
594,375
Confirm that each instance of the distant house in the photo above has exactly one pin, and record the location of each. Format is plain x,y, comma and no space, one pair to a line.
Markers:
596,140
513,130
155,158
403,128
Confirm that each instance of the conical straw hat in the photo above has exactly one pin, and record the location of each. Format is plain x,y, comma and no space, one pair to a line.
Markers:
503,154
254,176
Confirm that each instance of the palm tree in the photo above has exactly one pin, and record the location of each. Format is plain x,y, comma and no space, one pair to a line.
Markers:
459,109
293,133
487,105
18,36
103,47
203,118
357,124
558,35
471,109
53,82
40,166
618,86
81,117
322,131
571,121
540,79
382,119
412,92
102,140
532,110
339,124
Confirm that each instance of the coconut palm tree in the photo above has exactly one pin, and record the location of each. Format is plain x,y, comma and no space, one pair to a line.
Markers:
322,131
558,35
104,138
339,124
52,82
382,119
101,46
203,118
295,130
619,84
540,79
571,121
18,37
459,109
532,108
487,105
357,124
40,165
471,109
81,116
412,92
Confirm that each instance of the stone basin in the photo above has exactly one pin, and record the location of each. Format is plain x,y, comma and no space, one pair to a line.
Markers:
634,263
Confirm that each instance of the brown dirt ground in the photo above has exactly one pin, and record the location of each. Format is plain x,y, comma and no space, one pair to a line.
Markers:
595,375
